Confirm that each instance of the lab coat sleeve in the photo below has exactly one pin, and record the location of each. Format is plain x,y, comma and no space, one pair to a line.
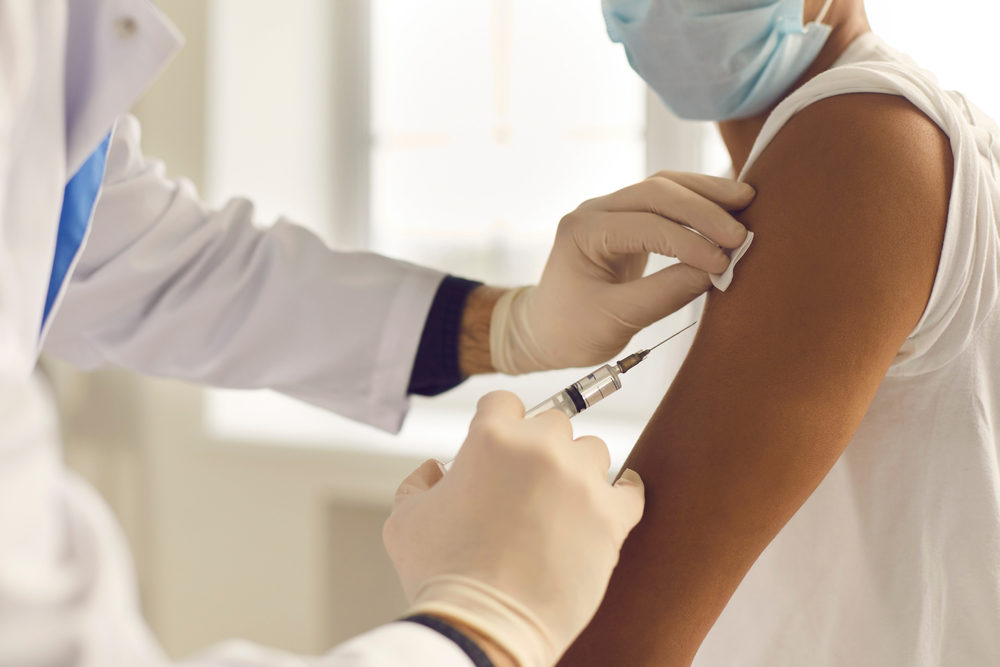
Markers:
168,287
393,645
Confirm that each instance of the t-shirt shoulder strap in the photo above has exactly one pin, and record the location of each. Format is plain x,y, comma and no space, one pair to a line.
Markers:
886,77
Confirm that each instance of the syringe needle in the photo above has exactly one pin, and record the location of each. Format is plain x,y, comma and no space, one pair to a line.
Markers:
672,336
631,361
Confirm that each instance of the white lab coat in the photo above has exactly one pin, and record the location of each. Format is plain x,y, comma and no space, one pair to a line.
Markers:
168,287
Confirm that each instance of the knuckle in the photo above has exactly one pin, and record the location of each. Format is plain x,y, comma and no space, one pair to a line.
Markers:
599,444
487,403
667,174
570,222
653,184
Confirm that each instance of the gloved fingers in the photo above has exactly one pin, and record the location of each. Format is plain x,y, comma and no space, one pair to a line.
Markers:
594,452
727,193
629,233
704,215
629,493
422,479
649,299
670,199
554,424
500,404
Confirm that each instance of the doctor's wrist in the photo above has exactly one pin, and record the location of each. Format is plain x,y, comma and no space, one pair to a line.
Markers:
481,649
496,653
474,336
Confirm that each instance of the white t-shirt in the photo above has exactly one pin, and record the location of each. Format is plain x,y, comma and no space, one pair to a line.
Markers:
895,559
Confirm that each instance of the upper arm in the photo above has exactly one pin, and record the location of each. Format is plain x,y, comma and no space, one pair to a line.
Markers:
852,200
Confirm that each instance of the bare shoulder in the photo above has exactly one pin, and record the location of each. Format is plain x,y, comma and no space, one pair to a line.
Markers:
867,130
872,155
860,185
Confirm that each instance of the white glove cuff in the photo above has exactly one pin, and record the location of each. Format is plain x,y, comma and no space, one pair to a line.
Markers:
491,612
511,338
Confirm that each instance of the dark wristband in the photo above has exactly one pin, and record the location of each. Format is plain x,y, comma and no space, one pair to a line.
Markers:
435,369
469,647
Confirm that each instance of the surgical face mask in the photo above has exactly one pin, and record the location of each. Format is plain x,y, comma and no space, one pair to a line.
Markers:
717,59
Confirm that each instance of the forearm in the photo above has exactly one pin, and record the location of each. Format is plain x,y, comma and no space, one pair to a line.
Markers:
455,341
474,335
169,287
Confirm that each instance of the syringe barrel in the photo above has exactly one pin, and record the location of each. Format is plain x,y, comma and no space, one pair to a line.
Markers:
562,401
599,385
582,394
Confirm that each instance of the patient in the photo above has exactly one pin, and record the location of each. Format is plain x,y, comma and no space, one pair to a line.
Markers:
822,476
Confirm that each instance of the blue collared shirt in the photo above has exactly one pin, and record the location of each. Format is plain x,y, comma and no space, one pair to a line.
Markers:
77,211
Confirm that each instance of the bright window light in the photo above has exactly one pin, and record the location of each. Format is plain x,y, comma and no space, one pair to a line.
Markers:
957,40
490,120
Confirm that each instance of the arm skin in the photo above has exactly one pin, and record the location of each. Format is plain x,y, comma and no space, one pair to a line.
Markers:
474,332
849,216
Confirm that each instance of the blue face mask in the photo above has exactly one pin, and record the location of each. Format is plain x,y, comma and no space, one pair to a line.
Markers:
717,59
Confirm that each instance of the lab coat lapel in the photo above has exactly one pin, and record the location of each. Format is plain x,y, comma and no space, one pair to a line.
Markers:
115,49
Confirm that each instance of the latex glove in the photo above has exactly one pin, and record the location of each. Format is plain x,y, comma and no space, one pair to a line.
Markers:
592,297
519,539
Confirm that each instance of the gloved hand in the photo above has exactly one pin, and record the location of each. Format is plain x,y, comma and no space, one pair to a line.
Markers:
519,539
592,297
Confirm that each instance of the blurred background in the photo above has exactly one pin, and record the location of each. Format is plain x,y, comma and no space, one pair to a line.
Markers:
453,133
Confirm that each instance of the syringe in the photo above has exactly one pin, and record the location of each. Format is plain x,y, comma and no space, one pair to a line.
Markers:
596,385
593,388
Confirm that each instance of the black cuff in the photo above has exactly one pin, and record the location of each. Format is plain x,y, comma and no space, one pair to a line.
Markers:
435,370
470,647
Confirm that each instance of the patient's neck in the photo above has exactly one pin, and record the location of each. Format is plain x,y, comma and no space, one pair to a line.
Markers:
849,22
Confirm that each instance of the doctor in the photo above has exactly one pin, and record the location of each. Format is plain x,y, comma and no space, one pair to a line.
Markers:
103,260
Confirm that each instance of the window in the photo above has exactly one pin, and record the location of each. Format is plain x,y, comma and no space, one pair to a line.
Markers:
485,135
482,123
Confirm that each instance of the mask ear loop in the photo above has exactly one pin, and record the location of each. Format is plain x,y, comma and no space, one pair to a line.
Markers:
823,12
